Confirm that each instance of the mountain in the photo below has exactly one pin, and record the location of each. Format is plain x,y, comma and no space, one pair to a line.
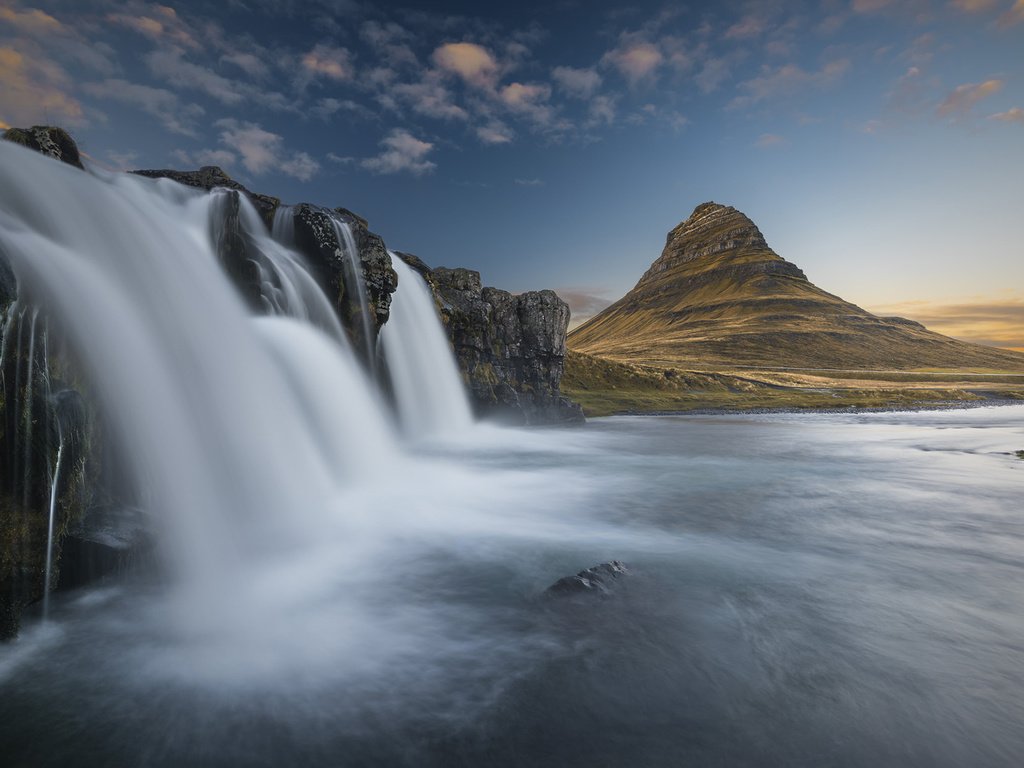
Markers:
719,297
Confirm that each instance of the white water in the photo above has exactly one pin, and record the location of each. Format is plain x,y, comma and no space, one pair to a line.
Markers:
428,390
54,490
213,408
355,278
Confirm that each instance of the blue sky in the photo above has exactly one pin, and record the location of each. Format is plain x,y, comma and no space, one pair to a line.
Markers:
878,144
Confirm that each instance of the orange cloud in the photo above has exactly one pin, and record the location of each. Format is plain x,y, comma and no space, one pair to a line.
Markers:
998,323
1013,16
324,60
1012,115
32,21
34,90
635,61
472,62
974,6
965,96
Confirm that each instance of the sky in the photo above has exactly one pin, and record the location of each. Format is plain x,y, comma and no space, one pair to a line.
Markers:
878,144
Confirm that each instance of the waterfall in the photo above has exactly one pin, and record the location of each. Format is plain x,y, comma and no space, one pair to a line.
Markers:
54,491
213,407
428,390
343,232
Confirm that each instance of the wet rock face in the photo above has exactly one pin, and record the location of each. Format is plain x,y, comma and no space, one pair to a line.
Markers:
52,141
510,349
317,239
596,580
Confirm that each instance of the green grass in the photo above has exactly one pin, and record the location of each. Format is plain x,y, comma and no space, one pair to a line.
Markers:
605,387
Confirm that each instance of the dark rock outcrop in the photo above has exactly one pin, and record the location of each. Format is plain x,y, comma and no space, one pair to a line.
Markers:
510,349
316,237
52,141
595,580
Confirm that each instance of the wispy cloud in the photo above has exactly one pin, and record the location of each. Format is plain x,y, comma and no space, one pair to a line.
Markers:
583,303
34,88
998,323
328,62
162,104
974,6
962,98
402,153
636,60
578,83
530,182
769,140
259,151
1015,15
787,81
1012,115
495,132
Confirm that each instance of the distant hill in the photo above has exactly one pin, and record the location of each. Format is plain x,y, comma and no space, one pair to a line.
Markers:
719,297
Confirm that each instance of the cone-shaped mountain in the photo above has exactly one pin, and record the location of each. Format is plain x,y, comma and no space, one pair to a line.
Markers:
719,296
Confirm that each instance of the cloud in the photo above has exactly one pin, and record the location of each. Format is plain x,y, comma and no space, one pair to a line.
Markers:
583,303
746,28
158,102
220,157
529,100
402,152
262,151
974,6
870,6
472,62
579,83
714,73
249,63
1012,115
787,81
636,61
35,89
602,110
162,25
962,98
998,323
768,140
329,106
495,132
328,61
431,99
170,65
1013,16
31,21
530,182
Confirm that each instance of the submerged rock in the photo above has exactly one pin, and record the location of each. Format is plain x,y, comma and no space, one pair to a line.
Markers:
49,140
510,348
595,580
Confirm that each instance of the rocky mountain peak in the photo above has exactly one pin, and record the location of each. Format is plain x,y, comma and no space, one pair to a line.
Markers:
712,229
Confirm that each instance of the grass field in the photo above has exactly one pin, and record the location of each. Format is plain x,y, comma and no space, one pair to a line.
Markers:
604,387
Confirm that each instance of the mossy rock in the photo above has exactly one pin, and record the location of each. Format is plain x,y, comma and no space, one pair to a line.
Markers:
48,139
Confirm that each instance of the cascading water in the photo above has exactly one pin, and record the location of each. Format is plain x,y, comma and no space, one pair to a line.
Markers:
428,390
211,408
354,277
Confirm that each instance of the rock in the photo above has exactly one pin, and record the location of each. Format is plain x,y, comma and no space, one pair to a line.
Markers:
510,349
317,240
105,540
210,177
48,139
596,580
